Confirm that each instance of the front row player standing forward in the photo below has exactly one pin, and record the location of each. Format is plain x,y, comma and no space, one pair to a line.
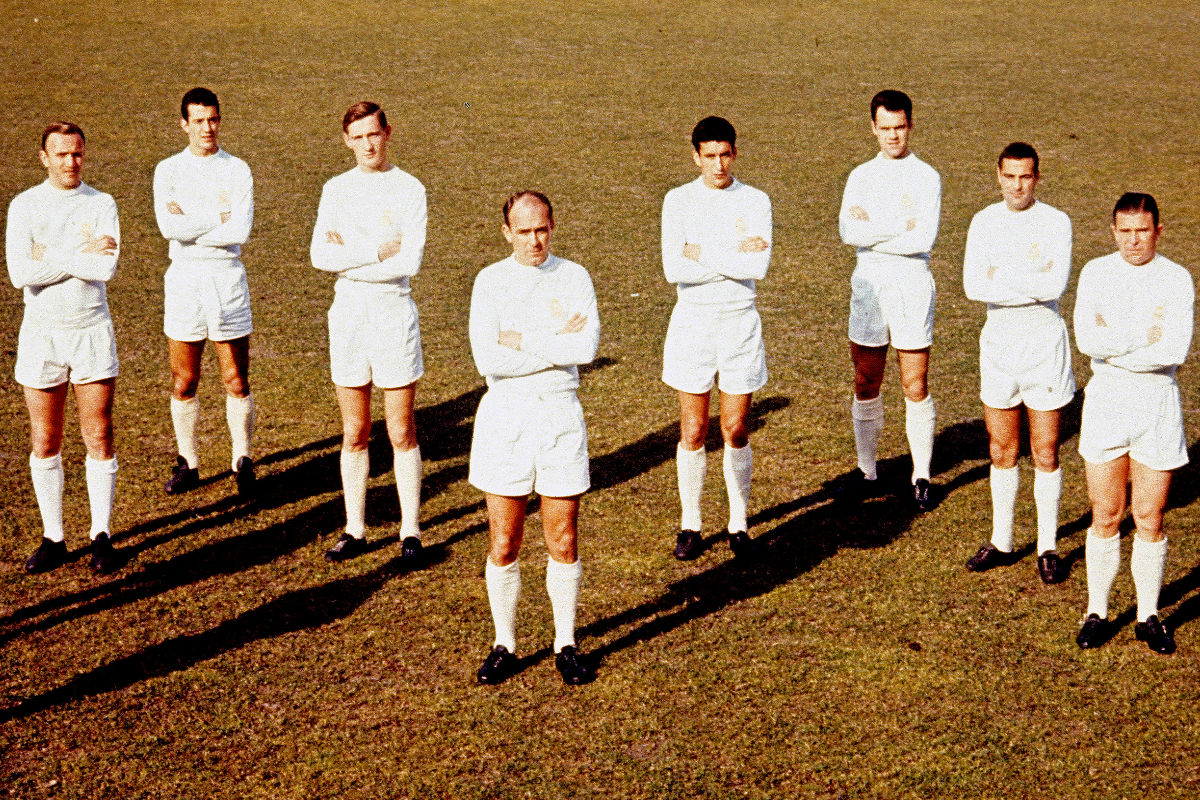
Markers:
716,242
1018,259
204,204
889,213
533,321
1133,316
370,231
61,246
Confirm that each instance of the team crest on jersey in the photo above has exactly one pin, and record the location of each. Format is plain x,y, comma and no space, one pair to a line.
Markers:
556,309
1035,253
907,201
387,218
740,225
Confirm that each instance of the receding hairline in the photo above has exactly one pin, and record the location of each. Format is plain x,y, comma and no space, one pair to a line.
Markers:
528,194
62,129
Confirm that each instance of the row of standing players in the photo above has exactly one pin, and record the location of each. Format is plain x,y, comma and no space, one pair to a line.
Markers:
533,320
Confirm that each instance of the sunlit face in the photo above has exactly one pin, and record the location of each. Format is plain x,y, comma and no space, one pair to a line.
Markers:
715,160
528,231
63,159
201,126
368,140
1136,235
1018,180
892,129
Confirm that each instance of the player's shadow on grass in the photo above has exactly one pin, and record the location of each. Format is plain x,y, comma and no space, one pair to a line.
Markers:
658,447
813,528
302,609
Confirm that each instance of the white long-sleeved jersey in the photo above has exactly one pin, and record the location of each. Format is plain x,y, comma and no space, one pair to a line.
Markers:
1017,262
717,220
1134,319
204,188
65,287
536,302
366,210
892,192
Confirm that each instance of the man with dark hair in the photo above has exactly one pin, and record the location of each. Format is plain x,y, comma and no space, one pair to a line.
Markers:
889,214
533,322
1017,260
716,242
204,204
370,232
1133,316
61,245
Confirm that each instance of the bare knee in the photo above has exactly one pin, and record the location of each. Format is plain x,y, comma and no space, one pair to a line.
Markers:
1045,457
735,433
185,383
693,432
44,443
97,437
356,434
916,387
403,434
236,384
1003,453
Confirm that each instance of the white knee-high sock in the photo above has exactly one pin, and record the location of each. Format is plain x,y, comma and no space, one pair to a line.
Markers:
920,418
504,589
736,463
184,414
355,465
690,465
47,474
1103,559
1004,484
868,424
1147,563
562,584
101,485
1047,489
406,464
239,413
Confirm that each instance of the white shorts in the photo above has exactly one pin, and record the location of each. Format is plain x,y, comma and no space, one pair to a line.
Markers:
48,357
526,444
708,344
896,309
205,299
1033,368
1144,421
374,338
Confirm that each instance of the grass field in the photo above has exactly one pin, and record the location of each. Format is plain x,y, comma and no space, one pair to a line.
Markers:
856,659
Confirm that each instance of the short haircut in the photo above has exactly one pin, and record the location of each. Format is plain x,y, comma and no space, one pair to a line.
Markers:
198,96
1018,151
713,129
361,110
1136,201
515,196
892,100
63,128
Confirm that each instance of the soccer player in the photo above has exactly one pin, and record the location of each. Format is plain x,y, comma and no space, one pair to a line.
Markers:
1133,316
533,321
889,214
61,245
716,242
204,204
1017,260
370,232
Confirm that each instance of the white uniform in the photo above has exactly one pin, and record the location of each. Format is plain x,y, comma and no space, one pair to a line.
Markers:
1018,263
1136,324
374,334
529,430
66,332
715,328
892,292
205,291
